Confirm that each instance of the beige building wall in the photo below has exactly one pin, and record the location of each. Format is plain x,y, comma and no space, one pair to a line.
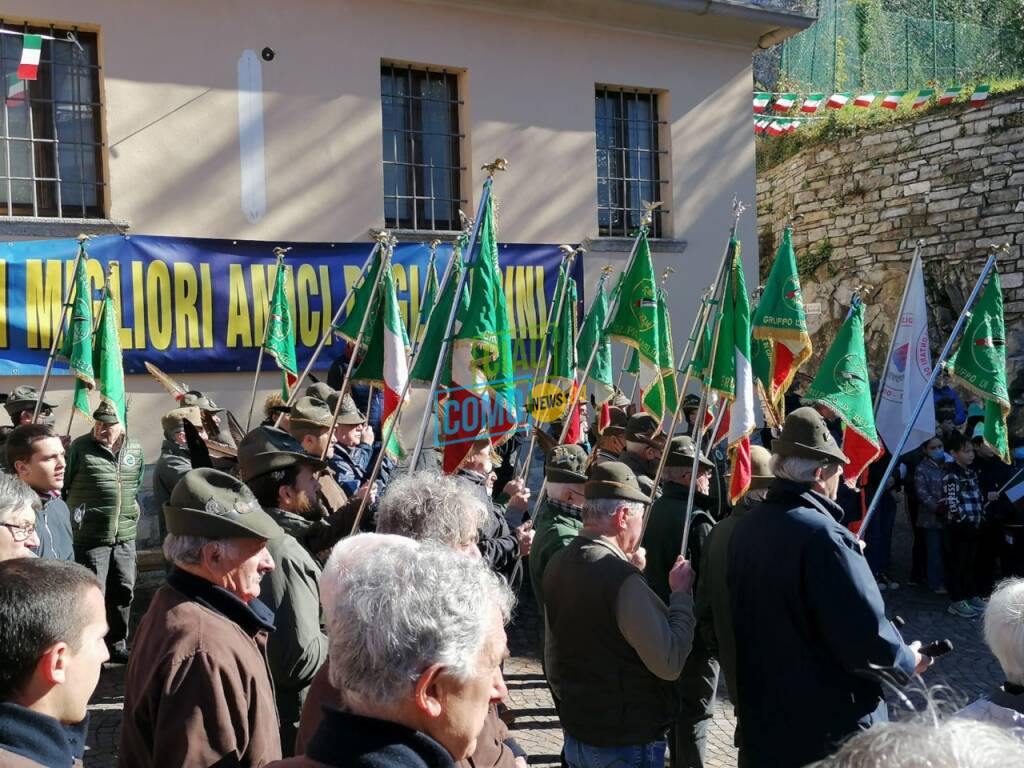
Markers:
171,125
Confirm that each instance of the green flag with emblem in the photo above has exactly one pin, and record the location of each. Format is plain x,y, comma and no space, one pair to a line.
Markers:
428,357
108,361
980,364
427,302
280,339
359,302
600,381
78,340
661,401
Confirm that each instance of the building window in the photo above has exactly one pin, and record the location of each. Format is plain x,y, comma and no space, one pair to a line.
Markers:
628,160
51,160
422,148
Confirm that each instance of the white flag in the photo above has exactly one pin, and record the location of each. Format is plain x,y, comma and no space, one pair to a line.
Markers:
907,372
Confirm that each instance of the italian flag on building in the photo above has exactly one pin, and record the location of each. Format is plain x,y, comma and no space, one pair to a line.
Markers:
923,97
838,100
761,101
950,94
893,98
386,362
31,49
865,100
980,95
732,376
812,103
15,90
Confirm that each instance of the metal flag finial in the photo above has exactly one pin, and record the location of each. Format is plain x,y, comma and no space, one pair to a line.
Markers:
792,218
82,237
737,206
499,164
607,269
434,244
649,209
664,275
280,252
567,251
382,236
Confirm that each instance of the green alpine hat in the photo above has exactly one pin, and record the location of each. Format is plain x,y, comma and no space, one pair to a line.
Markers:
617,420
174,420
805,435
196,399
565,464
266,449
619,400
349,413
680,454
212,504
613,480
308,411
643,428
691,403
760,467
105,413
24,398
322,391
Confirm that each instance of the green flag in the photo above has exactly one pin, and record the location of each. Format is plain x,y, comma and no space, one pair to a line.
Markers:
563,335
661,400
601,382
78,340
428,357
280,339
632,363
107,359
427,302
359,302
980,364
842,385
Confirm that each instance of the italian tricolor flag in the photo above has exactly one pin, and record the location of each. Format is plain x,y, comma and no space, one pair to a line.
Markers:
893,98
785,102
386,362
760,125
761,101
732,376
949,94
775,128
865,100
923,97
980,95
812,103
838,100
31,48
15,90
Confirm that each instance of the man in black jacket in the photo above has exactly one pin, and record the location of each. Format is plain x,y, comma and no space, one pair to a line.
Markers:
36,455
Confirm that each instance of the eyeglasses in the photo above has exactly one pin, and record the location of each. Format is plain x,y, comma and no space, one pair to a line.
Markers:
19,532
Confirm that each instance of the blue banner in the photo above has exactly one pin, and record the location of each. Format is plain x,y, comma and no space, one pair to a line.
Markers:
192,305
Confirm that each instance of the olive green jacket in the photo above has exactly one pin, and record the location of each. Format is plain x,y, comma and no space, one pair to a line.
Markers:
101,491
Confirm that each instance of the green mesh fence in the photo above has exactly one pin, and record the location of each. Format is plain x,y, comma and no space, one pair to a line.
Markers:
872,44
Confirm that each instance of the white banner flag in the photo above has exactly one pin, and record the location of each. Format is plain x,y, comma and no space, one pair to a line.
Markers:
907,371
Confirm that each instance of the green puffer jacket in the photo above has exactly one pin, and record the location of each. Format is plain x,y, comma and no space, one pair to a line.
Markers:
101,489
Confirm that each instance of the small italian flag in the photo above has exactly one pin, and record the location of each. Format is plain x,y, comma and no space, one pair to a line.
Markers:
893,98
15,90
812,103
761,101
838,100
31,48
791,125
785,102
760,125
949,94
923,97
775,128
865,100
980,95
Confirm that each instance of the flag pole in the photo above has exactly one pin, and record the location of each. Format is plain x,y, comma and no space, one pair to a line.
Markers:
899,319
699,322
79,258
279,253
431,267
385,265
569,256
330,329
500,164
927,392
95,327
645,222
705,395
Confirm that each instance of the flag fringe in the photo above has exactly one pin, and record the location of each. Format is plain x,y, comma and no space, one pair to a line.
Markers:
1003,403
798,361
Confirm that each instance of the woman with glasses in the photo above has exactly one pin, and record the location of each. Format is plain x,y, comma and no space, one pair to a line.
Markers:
18,504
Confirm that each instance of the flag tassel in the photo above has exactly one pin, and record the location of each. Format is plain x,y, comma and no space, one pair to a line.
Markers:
927,393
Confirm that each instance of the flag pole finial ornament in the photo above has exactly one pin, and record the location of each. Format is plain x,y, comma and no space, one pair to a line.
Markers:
82,238
607,270
664,275
649,209
499,164
433,246
792,218
279,252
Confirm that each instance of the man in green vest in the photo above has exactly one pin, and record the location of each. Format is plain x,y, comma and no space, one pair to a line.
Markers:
614,647
662,541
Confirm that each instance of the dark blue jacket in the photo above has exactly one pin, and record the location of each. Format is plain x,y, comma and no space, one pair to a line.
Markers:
53,524
810,623
38,737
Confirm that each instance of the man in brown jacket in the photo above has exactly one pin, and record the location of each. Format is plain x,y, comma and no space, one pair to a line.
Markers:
198,690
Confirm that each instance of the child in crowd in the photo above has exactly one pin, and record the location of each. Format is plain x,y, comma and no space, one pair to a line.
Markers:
931,511
965,512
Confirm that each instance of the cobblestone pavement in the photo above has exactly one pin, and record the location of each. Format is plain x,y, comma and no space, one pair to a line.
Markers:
964,674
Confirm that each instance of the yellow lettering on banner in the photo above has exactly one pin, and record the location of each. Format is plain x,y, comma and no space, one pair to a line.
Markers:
522,327
534,289
43,298
261,288
158,304
3,305
239,331
351,275
307,322
401,285
207,293
186,315
508,284
124,333
139,303
328,311
94,279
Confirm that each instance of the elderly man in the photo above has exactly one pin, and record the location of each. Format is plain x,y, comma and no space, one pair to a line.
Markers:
714,614
52,623
808,616
285,484
175,460
662,540
644,444
613,647
36,455
18,504
21,404
611,441
198,690
101,485
417,668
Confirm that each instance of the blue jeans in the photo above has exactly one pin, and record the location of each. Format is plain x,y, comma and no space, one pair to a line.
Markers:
579,755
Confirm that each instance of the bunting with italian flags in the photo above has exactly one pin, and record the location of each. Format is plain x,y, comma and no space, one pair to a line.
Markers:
31,51
922,98
865,100
812,103
842,385
732,375
980,95
838,100
892,99
950,94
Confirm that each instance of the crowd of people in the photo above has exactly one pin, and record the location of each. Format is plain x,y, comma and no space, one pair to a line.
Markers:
312,614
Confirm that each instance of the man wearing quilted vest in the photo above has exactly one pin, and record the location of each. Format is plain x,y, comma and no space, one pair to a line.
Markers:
101,483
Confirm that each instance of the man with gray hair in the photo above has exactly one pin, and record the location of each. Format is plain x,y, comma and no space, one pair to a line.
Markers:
809,620
418,667
429,506
613,647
